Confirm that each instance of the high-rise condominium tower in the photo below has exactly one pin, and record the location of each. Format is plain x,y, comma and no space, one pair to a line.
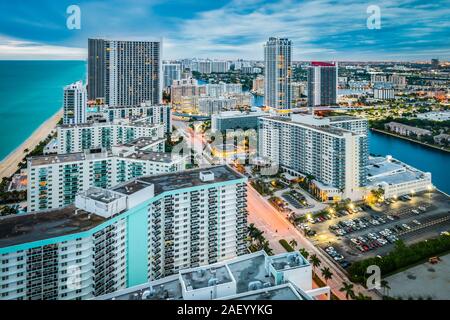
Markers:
75,103
277,61
322,84
125,73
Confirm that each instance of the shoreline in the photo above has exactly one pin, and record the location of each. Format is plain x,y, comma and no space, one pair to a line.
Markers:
9,165
409,139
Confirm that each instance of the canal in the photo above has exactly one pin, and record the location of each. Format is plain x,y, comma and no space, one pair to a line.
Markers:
424,158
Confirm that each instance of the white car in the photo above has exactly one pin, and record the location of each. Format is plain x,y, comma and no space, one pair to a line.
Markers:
406,226
417,222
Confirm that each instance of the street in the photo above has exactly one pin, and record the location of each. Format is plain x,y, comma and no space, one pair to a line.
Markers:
276,227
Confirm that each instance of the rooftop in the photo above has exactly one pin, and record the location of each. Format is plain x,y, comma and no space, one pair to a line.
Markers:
253,282
288,261
179,180
31,227
205,277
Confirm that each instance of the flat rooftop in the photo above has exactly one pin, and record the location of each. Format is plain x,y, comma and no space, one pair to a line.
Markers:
205,277
31,227
283,292
325,128
288,261
179,180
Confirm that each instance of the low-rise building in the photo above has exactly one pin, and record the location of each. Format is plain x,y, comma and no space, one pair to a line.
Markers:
396,178
232,120
435,115
406,130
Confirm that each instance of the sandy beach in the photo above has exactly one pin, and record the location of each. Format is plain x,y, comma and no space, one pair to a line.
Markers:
9,164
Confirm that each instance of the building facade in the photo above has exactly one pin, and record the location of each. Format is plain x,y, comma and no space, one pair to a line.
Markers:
321,148
233,120
171,72
54,181
278,73
80,137
75,103
118,238
125,73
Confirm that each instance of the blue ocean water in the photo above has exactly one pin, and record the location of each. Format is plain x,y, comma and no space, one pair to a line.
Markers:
30,93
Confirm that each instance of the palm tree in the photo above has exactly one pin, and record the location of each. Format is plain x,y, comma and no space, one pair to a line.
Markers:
315,261
304,253
267,248
385,285
326,274
293,243
348,289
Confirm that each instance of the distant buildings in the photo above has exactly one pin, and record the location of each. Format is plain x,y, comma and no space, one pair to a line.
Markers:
208,66
298,91
54,181
322,84
75,103
398,81
144,229
406,130
435,64
125,73
333,150
223,89
435,116
233,120
258,85
209,105
171,72
383,91
185,88
278,73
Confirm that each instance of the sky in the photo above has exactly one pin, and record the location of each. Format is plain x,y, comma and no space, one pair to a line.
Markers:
221,29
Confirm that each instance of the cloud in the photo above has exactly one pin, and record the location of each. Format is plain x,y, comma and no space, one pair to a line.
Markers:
11,49
319,29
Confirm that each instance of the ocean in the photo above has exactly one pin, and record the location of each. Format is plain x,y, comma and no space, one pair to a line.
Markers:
30,93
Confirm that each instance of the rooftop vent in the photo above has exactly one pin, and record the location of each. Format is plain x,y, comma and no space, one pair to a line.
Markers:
206,176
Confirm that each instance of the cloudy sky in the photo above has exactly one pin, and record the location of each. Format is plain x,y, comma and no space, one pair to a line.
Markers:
320,30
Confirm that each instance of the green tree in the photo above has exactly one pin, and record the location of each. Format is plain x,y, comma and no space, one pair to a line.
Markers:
304,253
326,274
315,261
385,286
293,243
348,289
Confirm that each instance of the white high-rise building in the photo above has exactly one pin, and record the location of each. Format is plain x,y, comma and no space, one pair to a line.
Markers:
75,103
333,150
171,71
278,73
112,239
54,180
220,66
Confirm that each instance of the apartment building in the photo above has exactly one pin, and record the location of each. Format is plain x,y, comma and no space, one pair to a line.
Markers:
54,181
112,239
75,103
332,150
80,137
125,73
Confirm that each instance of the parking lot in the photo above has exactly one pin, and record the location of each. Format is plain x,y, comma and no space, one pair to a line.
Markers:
370,231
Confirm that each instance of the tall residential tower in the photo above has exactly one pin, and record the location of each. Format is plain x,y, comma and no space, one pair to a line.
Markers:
322,84
278,73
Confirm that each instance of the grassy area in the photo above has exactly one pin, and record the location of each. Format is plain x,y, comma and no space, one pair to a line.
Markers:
400,258
286,245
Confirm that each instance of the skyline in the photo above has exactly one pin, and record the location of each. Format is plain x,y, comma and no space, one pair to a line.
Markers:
410,30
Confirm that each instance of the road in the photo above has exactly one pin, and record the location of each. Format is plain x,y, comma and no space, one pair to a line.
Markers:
277,227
